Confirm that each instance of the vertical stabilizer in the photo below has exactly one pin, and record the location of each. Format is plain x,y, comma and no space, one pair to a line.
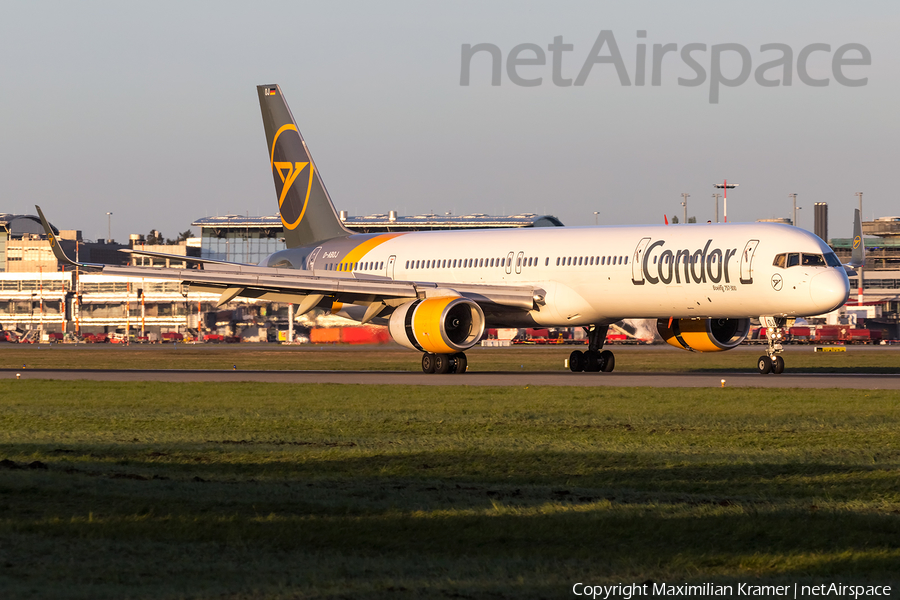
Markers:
306,210
858,255
858,252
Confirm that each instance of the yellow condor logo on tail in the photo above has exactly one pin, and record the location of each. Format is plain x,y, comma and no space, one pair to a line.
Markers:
288,173
856,242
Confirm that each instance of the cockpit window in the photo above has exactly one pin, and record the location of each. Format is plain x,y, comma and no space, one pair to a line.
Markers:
813,260
793,259
832,260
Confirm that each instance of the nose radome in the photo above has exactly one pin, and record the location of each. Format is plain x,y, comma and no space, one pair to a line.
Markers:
829,290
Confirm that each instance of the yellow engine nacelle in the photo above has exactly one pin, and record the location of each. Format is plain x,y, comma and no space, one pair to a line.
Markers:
440,325
704,335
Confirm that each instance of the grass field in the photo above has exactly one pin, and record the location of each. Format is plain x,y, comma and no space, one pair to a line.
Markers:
152,490
394,358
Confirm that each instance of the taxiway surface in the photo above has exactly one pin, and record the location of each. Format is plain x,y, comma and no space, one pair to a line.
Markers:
522,378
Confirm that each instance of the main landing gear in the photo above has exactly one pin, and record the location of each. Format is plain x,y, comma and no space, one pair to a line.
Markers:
444,363
593,359
771,362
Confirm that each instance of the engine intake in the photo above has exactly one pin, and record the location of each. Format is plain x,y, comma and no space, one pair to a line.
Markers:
440,325
704,335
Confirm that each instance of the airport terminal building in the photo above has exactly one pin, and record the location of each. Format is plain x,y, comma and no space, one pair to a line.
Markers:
37,293
237,238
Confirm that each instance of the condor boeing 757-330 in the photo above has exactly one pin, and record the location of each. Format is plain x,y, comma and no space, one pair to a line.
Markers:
437,291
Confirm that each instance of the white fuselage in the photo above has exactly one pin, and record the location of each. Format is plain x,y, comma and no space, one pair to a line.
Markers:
597,274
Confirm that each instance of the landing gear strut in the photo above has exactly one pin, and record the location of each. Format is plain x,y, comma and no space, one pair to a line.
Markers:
444,363
593,359
771,362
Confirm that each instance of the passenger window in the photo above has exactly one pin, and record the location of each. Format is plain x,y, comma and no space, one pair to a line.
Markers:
793,259
780,261
626,260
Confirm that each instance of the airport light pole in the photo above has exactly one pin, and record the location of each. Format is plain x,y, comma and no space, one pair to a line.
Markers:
596,217
725,186
684,204
794,219
108,227
716,196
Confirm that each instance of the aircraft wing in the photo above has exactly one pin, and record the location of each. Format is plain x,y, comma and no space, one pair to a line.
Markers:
308,288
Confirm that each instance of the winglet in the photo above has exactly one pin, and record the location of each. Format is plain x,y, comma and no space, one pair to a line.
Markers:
666,218
54,241
858,252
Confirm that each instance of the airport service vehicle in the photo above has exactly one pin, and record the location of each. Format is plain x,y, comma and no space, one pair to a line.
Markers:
437,291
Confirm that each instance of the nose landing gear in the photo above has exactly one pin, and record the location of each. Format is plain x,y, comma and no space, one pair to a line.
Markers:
771,362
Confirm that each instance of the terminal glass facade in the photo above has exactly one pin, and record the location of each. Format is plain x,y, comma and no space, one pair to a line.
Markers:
243,245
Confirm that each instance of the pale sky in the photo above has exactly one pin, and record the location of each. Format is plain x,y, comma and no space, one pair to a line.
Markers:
149,110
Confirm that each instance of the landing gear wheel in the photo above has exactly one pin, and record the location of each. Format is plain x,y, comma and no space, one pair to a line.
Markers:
778,365
576,361
592,361
460,364
442,363
428,363
607,361
764,364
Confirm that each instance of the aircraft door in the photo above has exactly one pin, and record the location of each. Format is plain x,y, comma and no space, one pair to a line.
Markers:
390,266
509,260
519,259
747,261
311,259
637,262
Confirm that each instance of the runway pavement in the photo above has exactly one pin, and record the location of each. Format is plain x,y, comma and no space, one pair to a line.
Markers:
515,378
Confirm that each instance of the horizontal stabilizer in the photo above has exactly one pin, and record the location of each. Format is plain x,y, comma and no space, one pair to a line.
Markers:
178,257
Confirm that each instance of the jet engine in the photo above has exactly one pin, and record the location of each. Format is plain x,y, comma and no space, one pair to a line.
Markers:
444,325
704,335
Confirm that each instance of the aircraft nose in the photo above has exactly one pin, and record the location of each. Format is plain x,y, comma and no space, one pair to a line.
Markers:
829,290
